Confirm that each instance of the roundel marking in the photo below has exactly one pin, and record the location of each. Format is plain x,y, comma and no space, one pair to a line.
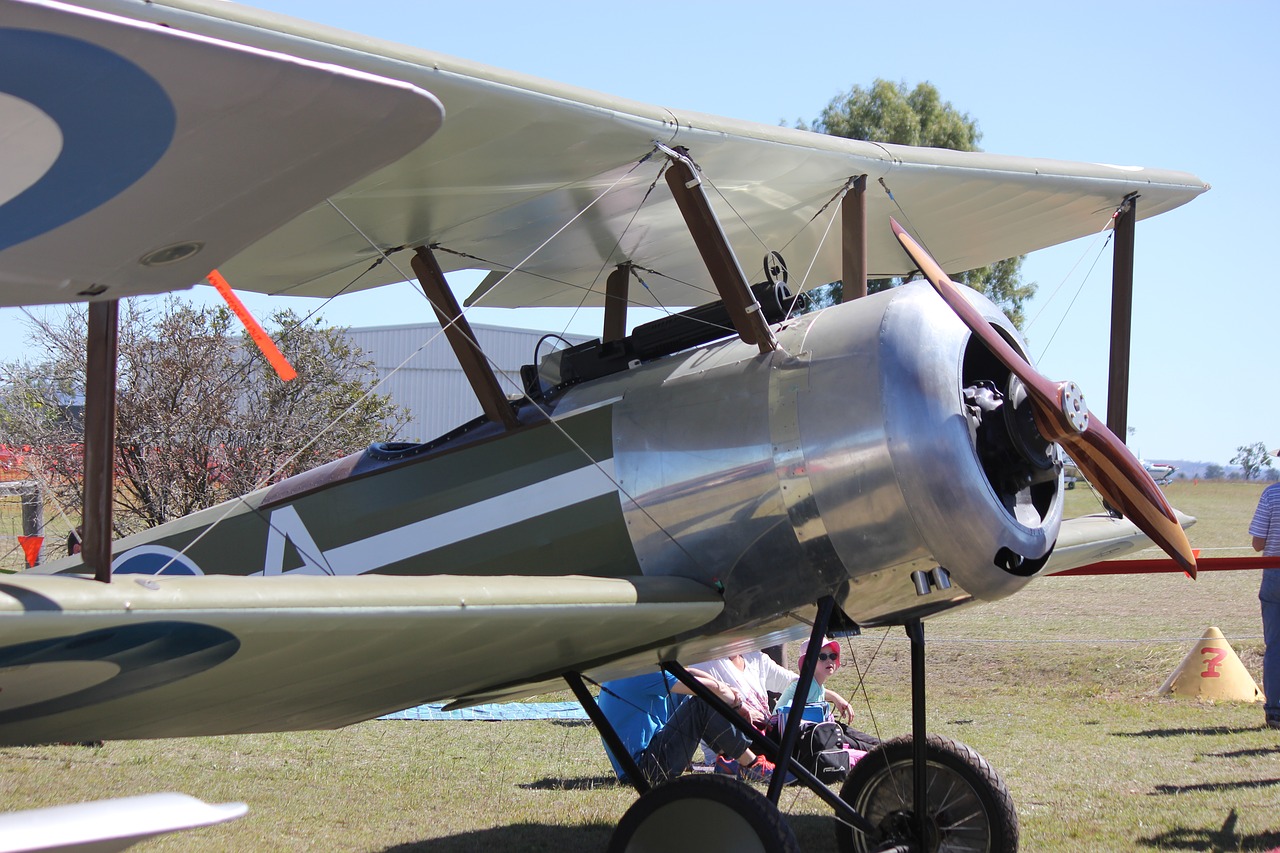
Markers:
116,122
59,674
154,560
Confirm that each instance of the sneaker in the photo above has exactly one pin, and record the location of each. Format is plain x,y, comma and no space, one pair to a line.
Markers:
726,766
761,770
1273,722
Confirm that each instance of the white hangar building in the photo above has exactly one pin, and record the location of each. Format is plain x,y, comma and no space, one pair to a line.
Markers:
420,372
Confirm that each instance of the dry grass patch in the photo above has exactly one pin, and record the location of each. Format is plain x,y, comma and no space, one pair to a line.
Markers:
1055,687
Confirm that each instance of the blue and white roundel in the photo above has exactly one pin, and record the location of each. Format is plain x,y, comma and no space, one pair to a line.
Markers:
79,124
154,560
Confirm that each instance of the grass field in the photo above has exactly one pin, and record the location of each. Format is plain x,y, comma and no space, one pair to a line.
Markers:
1056,687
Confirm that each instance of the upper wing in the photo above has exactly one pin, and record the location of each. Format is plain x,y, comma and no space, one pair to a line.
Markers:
136,158
151,656
519,158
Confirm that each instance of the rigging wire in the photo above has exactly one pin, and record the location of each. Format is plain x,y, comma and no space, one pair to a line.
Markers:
318,559
817,251
1071,304
616,244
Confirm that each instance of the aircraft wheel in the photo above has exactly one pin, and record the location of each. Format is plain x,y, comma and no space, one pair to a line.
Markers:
968,805
704,812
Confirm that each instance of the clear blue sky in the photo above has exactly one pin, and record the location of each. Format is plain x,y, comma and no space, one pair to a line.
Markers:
1177,85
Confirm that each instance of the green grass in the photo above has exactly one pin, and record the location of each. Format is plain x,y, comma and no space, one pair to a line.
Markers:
1055,686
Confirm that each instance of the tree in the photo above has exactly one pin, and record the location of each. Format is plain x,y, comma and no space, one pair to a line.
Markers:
201,416
1213,471
888,112
1253,459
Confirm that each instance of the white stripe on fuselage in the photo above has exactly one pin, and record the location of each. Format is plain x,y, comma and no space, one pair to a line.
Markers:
477,519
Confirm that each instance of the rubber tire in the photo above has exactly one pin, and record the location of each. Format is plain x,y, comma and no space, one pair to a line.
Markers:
704,812
954,769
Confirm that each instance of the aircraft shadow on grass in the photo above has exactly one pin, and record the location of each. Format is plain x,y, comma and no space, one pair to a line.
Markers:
520,836
810,830
1222,838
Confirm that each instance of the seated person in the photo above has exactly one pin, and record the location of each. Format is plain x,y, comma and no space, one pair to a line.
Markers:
661,730
753,675
828,663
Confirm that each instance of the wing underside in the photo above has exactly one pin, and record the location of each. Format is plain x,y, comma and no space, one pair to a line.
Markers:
561,183
168,657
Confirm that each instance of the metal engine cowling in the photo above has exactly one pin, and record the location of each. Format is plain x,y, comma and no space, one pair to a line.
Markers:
870,467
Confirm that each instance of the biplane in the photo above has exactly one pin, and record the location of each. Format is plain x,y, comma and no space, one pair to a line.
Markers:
731,476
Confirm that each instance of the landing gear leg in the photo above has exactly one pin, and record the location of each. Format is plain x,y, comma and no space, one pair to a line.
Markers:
927,794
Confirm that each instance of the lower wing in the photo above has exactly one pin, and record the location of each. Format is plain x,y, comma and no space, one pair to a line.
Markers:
145,657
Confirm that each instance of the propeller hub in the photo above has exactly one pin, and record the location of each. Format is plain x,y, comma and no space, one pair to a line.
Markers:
1071,399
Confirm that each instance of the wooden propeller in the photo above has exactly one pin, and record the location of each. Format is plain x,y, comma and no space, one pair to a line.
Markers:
1061,416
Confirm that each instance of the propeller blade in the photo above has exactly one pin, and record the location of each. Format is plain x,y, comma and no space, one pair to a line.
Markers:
1062,416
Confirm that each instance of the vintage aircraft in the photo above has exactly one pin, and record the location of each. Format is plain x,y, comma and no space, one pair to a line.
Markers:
729,477
1160,473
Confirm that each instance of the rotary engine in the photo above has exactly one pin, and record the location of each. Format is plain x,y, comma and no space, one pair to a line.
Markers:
880,454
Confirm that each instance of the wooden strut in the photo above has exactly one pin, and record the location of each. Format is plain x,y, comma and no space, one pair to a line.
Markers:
717,254
458,332
1121,318
853,251
615,303
100,436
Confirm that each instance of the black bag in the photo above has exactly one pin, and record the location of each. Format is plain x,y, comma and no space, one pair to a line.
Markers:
823,750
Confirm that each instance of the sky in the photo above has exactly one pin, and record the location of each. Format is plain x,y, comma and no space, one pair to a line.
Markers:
1177,85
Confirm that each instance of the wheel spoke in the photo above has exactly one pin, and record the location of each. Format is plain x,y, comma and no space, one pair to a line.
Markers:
968,807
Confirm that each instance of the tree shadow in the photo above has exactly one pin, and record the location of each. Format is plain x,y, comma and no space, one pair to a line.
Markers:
1244,753
1210,787
581,783
1210,730
1219,840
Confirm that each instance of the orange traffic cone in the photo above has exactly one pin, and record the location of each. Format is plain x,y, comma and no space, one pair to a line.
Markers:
1211,670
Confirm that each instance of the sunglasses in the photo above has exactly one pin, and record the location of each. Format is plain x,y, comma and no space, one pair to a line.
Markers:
835,656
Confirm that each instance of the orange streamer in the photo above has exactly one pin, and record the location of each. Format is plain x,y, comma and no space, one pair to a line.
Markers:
31,548
260,337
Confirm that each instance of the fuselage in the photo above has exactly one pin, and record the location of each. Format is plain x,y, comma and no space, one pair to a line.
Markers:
845,463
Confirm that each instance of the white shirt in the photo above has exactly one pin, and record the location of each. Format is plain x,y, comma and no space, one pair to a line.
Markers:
753,682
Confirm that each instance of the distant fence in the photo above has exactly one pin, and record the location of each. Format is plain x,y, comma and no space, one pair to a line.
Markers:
21,514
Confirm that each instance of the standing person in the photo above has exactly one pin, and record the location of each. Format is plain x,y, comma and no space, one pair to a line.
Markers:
1265,530
661,729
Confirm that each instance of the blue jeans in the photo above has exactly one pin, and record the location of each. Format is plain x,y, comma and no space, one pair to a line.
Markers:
1271,657
668,754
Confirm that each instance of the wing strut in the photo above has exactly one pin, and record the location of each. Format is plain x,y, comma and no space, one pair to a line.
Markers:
458,332
717,254
615,303
853,218
100,435
1121,318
